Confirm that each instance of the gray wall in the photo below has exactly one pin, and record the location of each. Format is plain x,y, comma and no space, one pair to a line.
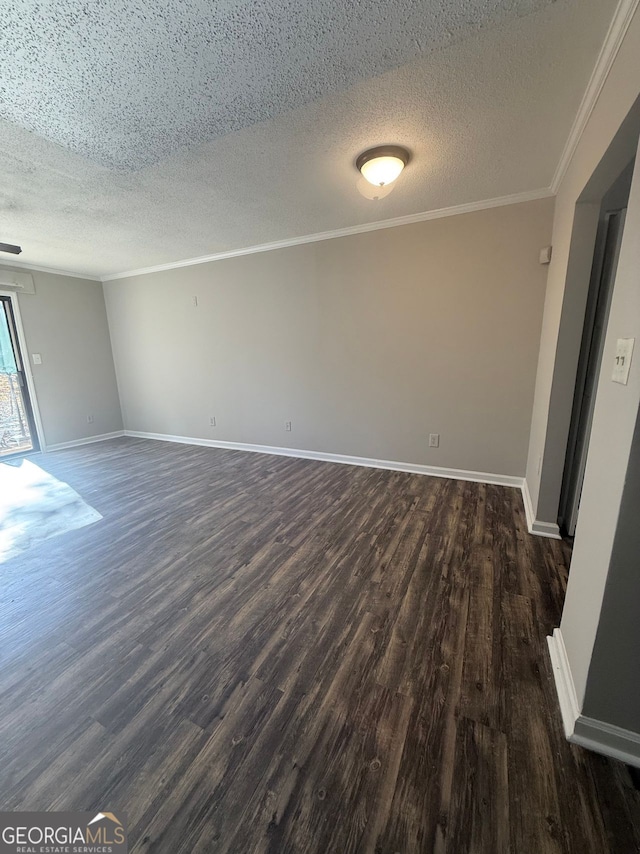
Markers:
565,297
366,343
613,686
66,322
610,445
616,406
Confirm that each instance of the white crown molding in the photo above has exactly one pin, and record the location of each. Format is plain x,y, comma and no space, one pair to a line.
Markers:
615,34
366,462
620,23
455,210
102,437
535,526
23,265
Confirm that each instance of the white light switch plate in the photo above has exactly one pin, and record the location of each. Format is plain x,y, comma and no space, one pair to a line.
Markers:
622,363
37,358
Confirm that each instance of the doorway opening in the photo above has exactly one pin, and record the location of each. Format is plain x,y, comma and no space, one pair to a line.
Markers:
603,273
18,434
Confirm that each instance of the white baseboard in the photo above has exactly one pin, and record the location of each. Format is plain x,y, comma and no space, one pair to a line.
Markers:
102,437
608,739
412,468
567,698
535,526
614,741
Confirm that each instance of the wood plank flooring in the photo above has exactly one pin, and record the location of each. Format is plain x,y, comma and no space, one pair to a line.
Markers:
260,654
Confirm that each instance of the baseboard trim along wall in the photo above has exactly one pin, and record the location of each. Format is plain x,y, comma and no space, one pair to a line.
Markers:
580,729
102,437
537,528
411,468
609,739
540,529
567,697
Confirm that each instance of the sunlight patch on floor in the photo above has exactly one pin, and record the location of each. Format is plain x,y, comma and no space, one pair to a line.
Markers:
34,506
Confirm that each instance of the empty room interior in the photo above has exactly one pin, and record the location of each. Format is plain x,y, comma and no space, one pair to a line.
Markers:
320,427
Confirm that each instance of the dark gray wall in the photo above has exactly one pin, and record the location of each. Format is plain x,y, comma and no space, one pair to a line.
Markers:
613,683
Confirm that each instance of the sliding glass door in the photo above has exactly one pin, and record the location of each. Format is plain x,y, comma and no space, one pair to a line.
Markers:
17,429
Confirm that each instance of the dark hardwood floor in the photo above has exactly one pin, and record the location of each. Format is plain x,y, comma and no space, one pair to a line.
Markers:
260,654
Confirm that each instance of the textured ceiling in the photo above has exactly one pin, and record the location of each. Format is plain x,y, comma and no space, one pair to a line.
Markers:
138,133
128,82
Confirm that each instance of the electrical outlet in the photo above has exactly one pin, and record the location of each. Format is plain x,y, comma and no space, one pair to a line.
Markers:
434,440
194,301
212,421
89,419
287,426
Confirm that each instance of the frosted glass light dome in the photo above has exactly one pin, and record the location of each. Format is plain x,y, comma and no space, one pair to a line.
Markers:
382,170
381,166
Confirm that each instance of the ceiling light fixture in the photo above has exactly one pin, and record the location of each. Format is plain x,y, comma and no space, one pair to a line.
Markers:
382,165
9,247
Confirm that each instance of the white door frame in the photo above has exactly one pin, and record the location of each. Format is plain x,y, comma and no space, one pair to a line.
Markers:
26,359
